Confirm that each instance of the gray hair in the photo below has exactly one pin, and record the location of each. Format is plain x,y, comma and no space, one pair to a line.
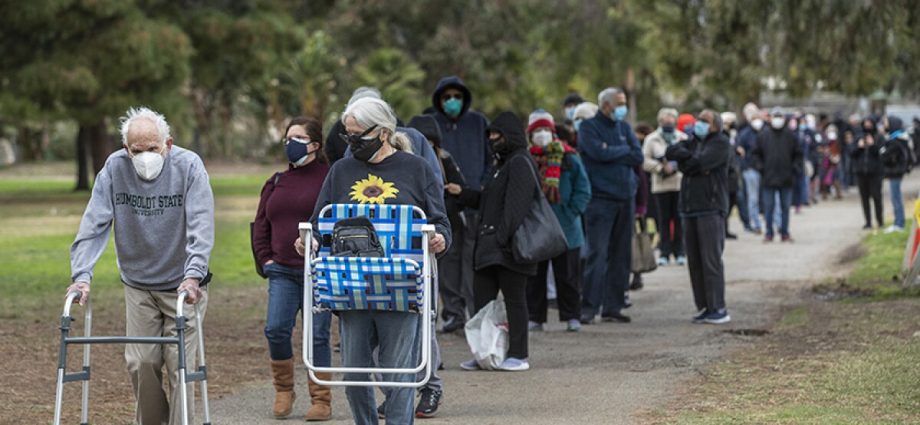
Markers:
716,118
666,112
362,92
144,113
607,95
369,112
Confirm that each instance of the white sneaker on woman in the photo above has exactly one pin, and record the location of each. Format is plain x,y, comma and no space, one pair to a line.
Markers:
512,364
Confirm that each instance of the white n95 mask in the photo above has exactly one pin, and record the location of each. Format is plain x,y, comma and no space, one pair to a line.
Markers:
148,164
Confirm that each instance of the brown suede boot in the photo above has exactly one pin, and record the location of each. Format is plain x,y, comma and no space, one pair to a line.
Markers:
321,396
283,379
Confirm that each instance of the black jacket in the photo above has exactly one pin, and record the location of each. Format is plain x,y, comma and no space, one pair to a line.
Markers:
895,158
428,126
866,160
704,186
778,157
505,200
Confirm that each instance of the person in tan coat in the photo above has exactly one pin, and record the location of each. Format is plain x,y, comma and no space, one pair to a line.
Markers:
665,180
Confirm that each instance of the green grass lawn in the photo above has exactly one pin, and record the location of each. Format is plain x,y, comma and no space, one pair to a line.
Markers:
38,221
852,361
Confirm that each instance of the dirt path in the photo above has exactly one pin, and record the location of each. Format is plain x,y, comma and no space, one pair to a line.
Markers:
611,373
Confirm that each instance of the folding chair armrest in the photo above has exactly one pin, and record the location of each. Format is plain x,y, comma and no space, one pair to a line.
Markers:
429,228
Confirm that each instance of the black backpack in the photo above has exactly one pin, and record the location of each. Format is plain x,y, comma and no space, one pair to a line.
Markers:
355,237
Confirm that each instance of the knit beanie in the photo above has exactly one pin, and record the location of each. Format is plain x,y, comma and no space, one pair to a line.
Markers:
540,118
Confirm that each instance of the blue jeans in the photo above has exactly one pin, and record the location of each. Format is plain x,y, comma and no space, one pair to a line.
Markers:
897,202
769,200
394,335
752,185
609,228
285,300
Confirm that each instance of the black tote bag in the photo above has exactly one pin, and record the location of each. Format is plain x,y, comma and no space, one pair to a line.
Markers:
540,237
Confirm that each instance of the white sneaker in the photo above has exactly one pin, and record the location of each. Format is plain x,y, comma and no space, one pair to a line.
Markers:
894,229
512,364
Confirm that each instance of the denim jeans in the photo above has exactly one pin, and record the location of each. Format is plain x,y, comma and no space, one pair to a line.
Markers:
752,184
394,335
609,226
897,202
285,300
770,201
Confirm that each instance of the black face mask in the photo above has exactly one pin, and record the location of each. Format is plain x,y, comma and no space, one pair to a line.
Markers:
869,130
501,148
363,149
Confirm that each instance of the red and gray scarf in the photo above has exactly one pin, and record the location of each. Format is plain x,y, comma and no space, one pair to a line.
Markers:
550,159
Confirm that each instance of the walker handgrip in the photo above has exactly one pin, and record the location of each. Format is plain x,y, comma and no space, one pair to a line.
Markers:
180,303
69,301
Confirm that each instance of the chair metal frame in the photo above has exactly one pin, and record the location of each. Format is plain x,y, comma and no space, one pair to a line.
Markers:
426,310
185,377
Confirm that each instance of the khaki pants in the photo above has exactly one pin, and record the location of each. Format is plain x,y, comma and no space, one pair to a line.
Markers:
152,313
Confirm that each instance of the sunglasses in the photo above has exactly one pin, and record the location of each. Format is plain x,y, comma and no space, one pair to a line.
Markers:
447,97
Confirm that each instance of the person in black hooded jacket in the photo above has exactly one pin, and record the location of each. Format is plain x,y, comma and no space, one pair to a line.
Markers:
506,198
704,160
868,170
897,158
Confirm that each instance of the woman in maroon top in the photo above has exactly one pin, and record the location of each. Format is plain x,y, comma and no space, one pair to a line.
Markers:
289,198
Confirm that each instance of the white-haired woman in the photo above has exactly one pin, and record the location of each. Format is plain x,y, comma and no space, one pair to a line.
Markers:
665,184
380,172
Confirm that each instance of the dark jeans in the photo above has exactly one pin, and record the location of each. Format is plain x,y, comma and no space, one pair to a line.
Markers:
455,275
870,186
285,300
672,242
769,203
609,225
513,285
567,271
705,237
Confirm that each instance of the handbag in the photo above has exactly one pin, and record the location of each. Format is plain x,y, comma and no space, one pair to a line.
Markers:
643,252
539,237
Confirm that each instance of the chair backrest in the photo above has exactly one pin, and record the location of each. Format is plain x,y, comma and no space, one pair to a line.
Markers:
399,227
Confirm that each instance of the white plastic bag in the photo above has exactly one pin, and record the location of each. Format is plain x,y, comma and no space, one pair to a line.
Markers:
487,334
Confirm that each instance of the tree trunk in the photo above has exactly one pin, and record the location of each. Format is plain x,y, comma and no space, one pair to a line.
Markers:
99,145
82,166
631,95
29,144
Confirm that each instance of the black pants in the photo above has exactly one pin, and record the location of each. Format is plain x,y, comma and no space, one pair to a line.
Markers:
567,271
455,272
705,238
672,243
870,186
514,287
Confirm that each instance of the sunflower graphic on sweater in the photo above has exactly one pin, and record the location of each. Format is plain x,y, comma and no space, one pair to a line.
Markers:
372,190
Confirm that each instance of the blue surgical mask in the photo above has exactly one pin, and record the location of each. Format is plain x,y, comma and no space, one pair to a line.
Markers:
453,106
701,129
619,113
570,112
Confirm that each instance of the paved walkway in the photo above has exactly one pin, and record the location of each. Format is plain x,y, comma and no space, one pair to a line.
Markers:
611,373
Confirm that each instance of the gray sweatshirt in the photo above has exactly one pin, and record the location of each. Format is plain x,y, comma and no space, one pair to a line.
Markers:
164,228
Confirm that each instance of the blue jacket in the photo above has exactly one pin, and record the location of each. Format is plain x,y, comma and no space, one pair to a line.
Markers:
574,195
610,152
747,139
464,137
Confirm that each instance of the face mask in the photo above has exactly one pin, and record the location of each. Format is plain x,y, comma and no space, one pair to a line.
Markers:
364,149
148,165
777,122
667,129
542,138
868,130
757,124
297,150
570,112
619,113
453,106
832,136
701,129
577,123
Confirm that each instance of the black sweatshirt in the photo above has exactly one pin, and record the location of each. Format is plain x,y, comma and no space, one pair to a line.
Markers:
400,179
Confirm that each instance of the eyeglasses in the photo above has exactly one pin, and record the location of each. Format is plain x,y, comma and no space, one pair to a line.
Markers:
352,138
446,97
304,140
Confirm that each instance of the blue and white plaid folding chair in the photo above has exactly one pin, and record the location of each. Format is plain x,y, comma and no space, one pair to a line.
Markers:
399,281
